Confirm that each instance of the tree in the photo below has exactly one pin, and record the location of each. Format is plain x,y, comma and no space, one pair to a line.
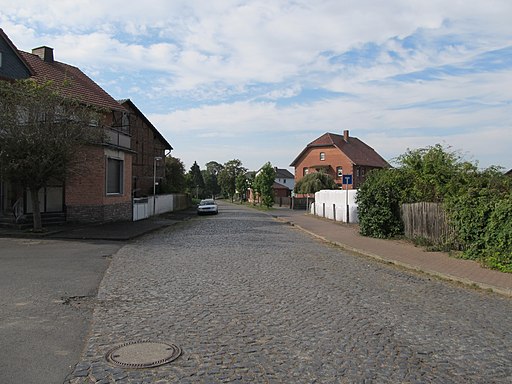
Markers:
195,179
242,185
227,177
210,176
40,135
214,167
314,182
436,171
174,181
263,183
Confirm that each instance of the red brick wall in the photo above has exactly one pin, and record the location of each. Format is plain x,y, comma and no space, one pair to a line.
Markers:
333,158
86,185
85,194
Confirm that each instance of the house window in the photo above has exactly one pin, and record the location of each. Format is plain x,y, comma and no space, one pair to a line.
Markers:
305,171
362,171
339,172
114,176
322,156
0,59
357,172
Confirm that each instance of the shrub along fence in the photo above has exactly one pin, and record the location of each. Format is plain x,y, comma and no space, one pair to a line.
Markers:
426,221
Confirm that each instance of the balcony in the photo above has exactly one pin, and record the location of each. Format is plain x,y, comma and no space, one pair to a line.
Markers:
118,138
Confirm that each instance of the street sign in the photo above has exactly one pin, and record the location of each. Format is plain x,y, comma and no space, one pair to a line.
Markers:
347,179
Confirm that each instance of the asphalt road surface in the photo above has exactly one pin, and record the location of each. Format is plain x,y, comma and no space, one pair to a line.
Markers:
46,288
251,300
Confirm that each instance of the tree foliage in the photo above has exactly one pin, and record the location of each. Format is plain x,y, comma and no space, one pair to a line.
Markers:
241,186
195,181
40,135
210,176
314,182
263,183
175,181
227,177
437,172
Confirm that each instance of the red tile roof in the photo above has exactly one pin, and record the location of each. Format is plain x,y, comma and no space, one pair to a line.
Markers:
357,151
70,81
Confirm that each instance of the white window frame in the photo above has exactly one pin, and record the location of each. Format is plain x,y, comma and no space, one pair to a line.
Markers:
322,156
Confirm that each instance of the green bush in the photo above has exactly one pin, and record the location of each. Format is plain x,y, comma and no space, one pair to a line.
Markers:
480,215
478,203
498,237
379,200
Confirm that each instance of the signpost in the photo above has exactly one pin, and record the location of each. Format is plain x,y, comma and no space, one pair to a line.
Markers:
347,179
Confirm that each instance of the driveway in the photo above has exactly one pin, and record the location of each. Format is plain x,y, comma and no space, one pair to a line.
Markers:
45,305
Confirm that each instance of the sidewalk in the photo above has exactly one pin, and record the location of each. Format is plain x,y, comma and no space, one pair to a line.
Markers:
111,231
398,252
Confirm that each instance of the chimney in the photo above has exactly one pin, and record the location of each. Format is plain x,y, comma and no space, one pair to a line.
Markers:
345,135
45,53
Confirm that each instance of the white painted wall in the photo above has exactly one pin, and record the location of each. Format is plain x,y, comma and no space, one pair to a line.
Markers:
143,209
333,204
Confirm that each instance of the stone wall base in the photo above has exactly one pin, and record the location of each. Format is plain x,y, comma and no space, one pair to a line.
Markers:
99,213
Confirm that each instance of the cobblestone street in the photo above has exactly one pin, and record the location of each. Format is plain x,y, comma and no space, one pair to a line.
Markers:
252,300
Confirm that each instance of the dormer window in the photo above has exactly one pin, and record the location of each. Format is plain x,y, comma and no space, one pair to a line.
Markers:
322,156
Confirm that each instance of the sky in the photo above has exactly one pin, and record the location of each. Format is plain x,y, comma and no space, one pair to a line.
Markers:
258,80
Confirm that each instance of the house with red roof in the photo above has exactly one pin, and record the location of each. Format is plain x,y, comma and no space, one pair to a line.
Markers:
338,156
102,190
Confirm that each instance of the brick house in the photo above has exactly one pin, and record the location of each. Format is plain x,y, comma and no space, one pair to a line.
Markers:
338,155
150,149
101,190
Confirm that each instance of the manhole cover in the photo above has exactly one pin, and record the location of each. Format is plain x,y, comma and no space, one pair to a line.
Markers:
143,354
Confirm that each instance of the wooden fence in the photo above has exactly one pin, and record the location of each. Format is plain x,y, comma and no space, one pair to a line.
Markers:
426,220
302,203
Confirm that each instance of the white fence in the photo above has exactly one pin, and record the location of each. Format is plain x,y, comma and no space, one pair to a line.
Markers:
332,204
140,208
145,207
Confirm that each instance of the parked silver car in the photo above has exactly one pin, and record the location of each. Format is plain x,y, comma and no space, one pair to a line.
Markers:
207,206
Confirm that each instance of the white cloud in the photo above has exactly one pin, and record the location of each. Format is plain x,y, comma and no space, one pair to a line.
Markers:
205,54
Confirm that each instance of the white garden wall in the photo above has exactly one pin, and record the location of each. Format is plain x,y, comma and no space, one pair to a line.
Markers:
144,207
332,204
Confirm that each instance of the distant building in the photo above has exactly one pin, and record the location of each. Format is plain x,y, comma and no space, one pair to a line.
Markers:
338,156
285,178
284,183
